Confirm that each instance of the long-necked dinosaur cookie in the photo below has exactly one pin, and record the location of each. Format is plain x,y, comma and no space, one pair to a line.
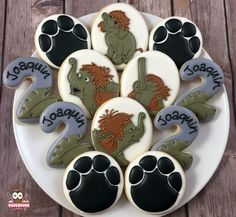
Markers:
187,126
195,99
120,32
39,94
93,182
152,79
59,35
68,144
88,79
177,37
122,128
154,182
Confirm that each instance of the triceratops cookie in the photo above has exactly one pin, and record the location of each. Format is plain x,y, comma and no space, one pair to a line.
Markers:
59,35
120,32
177,37
122,128
88,79
152,79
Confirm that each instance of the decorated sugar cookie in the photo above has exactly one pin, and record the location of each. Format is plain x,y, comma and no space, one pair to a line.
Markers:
88,79
119,32
93,182
59,35
154,182
196,99
152,79
187,130
39,95
177,37
68,144
122,128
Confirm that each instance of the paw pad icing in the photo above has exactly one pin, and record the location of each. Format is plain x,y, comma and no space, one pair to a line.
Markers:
93,182
154,182
177,37
58,36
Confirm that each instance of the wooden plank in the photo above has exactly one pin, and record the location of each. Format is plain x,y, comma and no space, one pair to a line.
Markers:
161,8
230,6
2,30
21,19
80,7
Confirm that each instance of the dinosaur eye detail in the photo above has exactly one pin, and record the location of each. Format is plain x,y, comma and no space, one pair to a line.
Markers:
130,130
79,75
14,195
19,195
86,79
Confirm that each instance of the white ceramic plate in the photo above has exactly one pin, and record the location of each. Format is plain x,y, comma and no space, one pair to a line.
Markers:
208,149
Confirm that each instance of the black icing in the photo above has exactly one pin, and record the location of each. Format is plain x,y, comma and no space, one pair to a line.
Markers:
100,163
165,165
69,38
97,190
148,163
178,41
155,192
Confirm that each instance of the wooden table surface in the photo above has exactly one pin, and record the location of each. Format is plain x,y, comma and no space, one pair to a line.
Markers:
18,21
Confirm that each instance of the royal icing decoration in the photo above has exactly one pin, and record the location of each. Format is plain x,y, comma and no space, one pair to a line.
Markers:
59,35
177,37
152,79
122,128
120,32
39,95
68,144
93,182
154,182
88,79
187,130
212,81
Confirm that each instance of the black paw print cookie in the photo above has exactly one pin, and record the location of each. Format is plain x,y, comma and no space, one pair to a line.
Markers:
93,182
155,182
177,37
59,35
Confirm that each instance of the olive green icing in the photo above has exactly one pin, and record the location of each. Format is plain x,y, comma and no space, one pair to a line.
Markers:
196,102
88,86
120,41
67,149
149,89
175,149
115,144
36,102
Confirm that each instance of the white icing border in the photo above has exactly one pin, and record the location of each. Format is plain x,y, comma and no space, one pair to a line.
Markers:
183,20
158,155
92,154
39,32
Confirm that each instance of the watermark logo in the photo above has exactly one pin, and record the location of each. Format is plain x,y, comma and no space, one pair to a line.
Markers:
18,201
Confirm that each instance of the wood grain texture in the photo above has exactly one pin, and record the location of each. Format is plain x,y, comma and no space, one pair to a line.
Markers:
20,25
18,22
